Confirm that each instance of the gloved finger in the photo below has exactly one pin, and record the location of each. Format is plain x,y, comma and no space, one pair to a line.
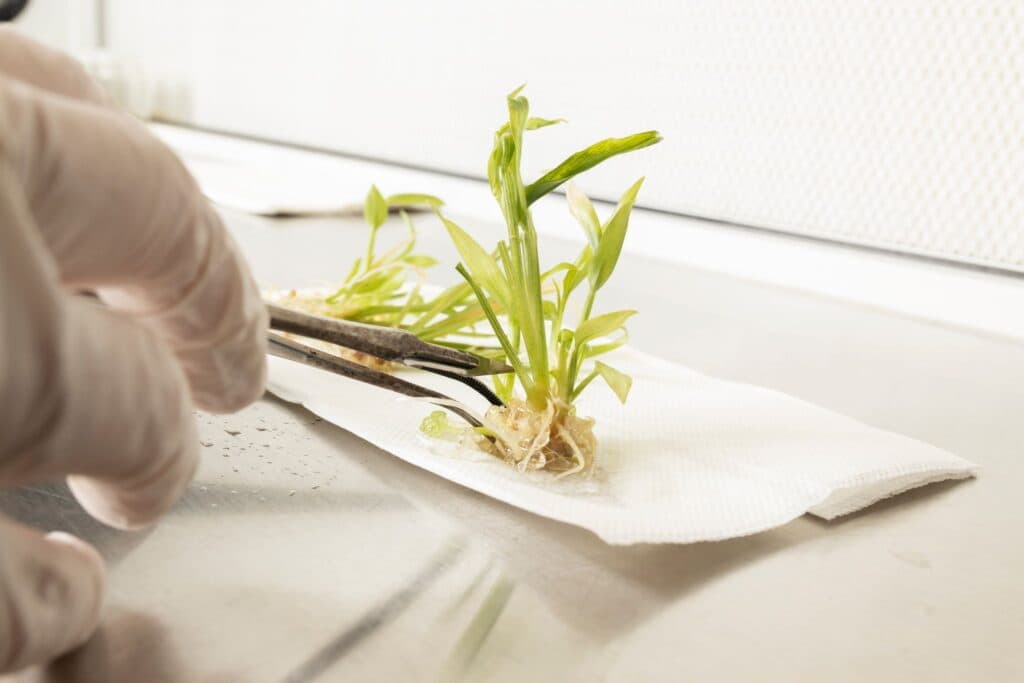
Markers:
131,460
124,432
28,60
86,391
51,592
122,216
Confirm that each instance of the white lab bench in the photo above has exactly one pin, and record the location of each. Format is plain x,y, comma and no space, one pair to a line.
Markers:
301,553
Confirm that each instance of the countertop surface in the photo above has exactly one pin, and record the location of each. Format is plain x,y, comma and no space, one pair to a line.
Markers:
301,553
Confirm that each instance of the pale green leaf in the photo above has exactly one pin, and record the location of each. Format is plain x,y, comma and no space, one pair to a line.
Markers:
564,265
612,237
381,282
420,260
601,326
403,248
445,301
354,270
583,211
533,123
411,199
619,381
375,209
494,163
518,108
593,350
549,310
481,265
579,272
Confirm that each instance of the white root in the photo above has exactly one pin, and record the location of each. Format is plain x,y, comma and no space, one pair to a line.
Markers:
541,440
577,454
552,439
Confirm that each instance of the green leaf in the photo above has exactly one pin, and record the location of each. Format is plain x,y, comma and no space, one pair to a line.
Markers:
549,310
583,211
504,257
494,163
414,199
612,237
592,350
412,300
576,275
382,282
420,260
518,108
400,250
375,209
533,123
586,159
619,382
453,322
601,326
564,265
354,271
443,302
481,265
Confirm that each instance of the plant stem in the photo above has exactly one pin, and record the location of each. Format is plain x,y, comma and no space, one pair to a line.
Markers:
369,250
513,358
581,386
574,364
588,305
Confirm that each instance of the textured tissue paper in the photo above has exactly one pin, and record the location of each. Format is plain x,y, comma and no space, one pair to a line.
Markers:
688,458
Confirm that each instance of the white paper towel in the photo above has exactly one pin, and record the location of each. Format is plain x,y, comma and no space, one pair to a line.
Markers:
688,458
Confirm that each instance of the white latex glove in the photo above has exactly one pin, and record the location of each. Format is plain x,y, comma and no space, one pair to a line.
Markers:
105,396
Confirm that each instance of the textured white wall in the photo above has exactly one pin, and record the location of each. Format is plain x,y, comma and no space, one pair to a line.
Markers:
897,123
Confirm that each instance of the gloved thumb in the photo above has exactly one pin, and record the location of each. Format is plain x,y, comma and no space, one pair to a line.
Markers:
53,590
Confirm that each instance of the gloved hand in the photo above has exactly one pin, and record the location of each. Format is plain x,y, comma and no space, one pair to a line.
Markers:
101,394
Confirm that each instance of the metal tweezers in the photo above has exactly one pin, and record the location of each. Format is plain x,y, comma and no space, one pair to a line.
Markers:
386,343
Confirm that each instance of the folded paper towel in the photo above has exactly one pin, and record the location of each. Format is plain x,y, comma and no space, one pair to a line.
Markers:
689,457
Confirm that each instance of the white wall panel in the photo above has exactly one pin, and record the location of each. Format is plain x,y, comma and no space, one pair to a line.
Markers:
898,124
65,24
